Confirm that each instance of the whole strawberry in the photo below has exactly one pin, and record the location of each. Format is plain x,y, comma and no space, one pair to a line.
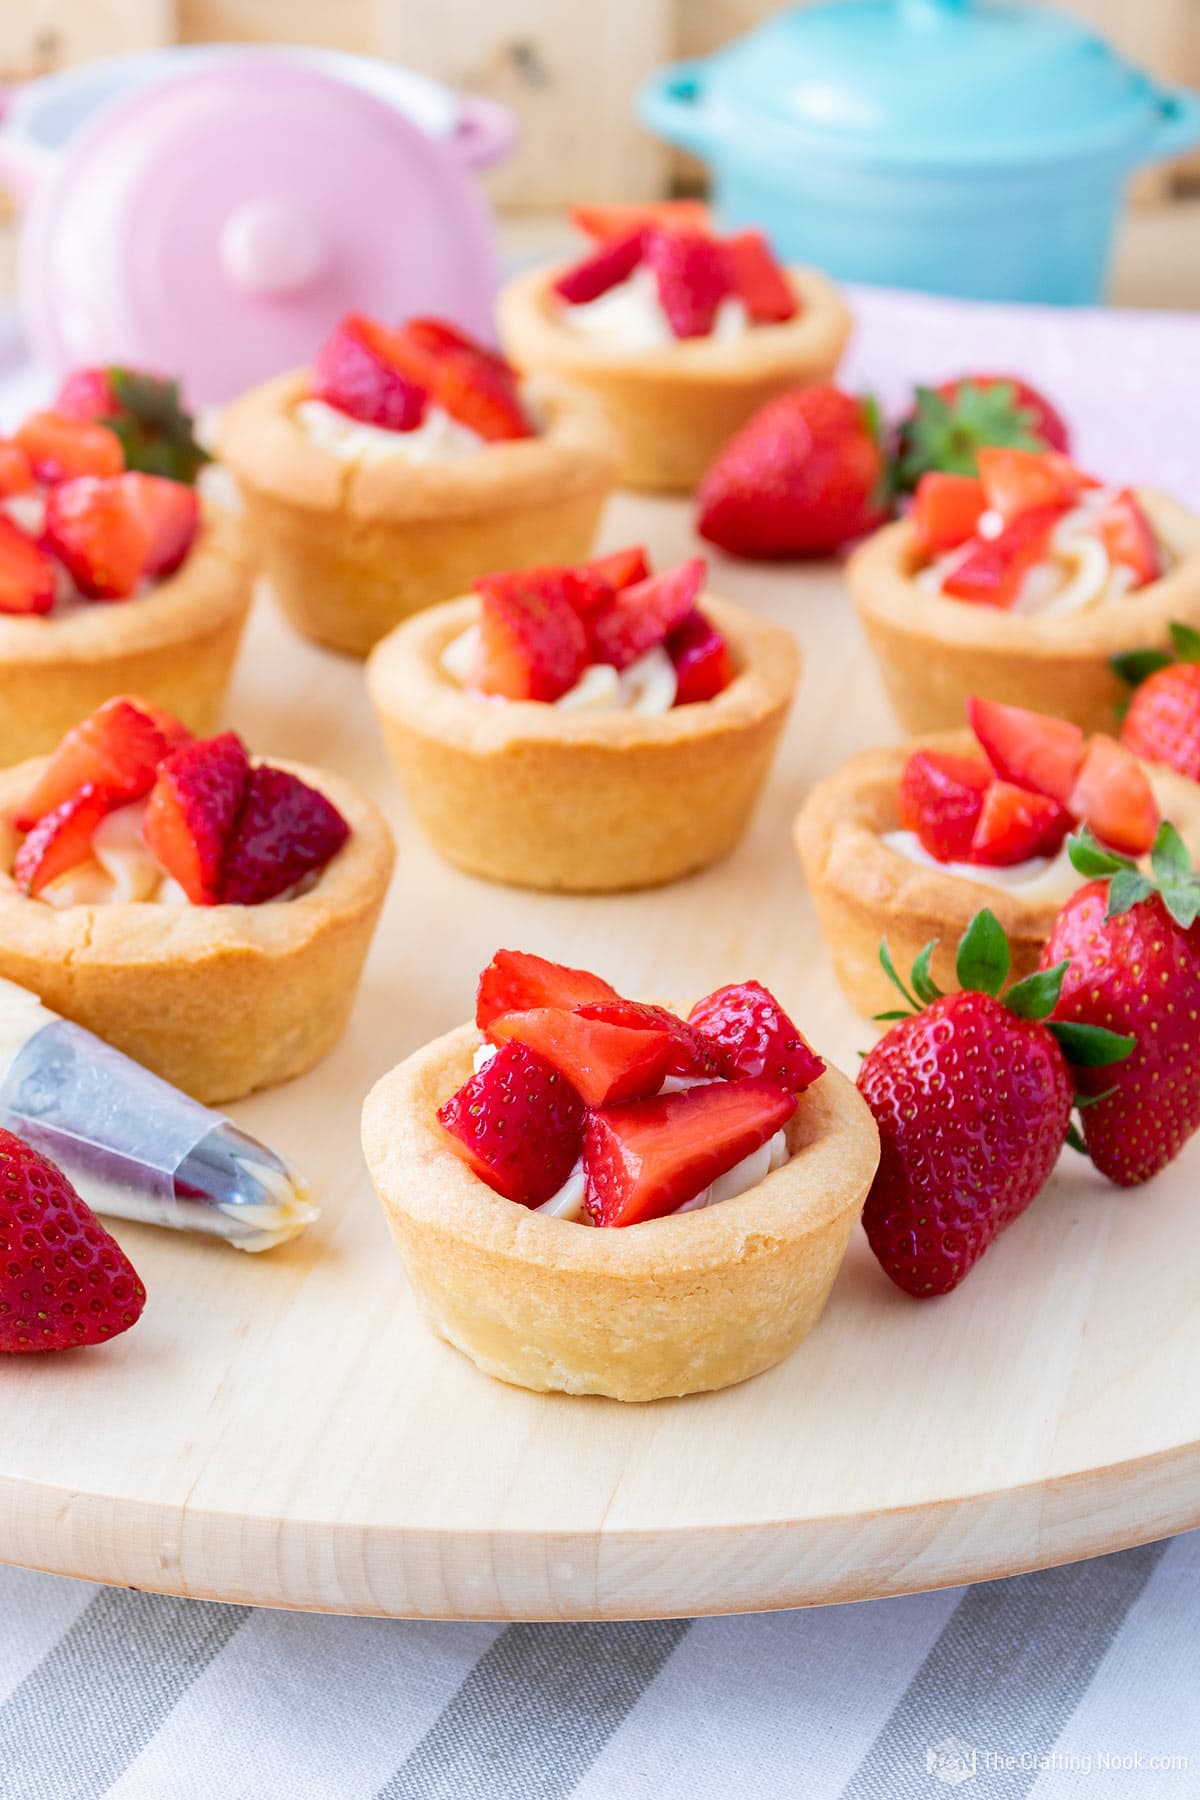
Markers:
1162,724
63,1280
146,413
1134,949
972,1096
949,423
806,475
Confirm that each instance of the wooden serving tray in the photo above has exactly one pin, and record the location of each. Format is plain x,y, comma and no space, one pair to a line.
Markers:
285,1430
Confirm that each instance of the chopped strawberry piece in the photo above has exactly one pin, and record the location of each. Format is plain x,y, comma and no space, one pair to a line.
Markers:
946,510
532,646
285,831
173,729
605,1063
1126,534
692,1053
993,570
1015,825
940,798
99,534
170,510
619,220
440,338
116,750
60,449
1022,481
59,841
518,981
758,280
1114,797
638,618
582,586
693,275
16,470
356,371
703,665
1030,749
756,1037
600,270
621,568
193,810
86,394
517,1124
651,1157
473,384
26,573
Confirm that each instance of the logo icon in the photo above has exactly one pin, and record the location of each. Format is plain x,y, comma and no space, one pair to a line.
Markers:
951,1762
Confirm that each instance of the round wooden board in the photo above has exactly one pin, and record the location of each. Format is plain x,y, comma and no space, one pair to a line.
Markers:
285,1430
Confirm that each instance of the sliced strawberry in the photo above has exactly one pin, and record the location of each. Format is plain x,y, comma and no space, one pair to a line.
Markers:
173,729
621,568
16,470
692,1053
1030,749
60,449
170,511
638,618
758,281
940,798
517,1124
1126,534
582,586
59,841
605,1063
116,750
993,570
518,981
532,646
440,338
193,810
945,512
693,274
1114,797
470,382
26,573
99,534
86,394
618,220
285,831
602,269
356,371
703,665
1022,481
1015,825
756,1037
651,1157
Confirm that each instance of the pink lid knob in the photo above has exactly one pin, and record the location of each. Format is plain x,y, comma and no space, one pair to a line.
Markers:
272,246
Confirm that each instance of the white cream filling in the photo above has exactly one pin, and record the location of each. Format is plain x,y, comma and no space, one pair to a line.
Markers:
438,438
1049,878
120,867
630,316
647,687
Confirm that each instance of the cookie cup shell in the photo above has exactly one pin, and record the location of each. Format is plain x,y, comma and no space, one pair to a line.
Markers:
865,891
220,1000
934,652
175,645
674,408
527,794
674,1306
352,548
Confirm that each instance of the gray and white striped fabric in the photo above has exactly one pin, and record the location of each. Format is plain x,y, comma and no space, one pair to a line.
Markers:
1080,1681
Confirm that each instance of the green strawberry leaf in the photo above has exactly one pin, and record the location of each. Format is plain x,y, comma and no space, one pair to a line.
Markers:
1037,996
889,969
155,431
1090,858
890,1018
983,955
1170,858
1137,666
939,434
1127,889
1083,1101
1186,641
1075,1140
924,986
1090,1046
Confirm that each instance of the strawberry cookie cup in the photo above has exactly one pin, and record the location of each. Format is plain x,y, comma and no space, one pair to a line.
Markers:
1022,586
585,729
594,1196
207,915
110,579
681,335
402,465
905,845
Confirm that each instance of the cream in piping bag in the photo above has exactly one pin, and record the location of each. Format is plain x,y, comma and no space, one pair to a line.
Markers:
133,1145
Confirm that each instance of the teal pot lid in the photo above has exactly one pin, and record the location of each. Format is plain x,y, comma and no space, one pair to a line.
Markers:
922,81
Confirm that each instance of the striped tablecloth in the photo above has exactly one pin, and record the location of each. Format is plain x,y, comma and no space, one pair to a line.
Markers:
1079,1681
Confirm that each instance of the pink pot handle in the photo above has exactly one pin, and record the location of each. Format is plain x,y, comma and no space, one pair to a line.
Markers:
486,131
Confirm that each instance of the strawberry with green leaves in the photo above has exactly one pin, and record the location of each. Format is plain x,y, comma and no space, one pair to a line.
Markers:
1162,722
143,411
1130,945
972,1095
950,423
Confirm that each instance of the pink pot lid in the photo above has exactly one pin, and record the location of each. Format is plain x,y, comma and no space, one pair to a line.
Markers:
216,225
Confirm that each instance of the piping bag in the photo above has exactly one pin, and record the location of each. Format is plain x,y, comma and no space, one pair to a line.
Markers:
133,1145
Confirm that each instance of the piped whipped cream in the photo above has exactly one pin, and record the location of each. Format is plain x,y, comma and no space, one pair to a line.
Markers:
647,686
630,317
1049,878
438,438
119,869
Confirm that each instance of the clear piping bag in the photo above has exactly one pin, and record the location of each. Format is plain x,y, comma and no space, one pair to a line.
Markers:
133,1145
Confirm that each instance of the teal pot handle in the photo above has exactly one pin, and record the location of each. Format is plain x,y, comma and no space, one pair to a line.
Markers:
1179,124
672,104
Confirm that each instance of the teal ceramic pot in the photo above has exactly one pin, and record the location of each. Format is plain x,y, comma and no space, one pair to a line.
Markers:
973,149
